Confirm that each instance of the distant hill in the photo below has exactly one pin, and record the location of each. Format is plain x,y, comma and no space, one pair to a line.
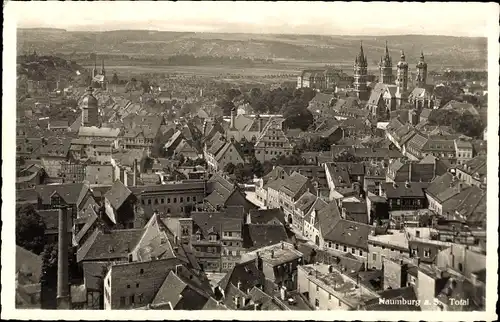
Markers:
440,51
49,68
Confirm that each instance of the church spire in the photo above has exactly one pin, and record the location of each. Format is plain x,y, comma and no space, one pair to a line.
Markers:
103,72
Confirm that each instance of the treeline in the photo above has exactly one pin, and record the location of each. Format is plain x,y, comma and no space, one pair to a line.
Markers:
459,76
466,123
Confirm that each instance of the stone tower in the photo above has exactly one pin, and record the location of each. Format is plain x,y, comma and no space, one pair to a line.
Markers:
103,71
94,70
421,78
360,75
90,109
402,80
386,68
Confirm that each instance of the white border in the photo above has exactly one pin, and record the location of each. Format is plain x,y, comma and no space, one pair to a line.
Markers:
491,14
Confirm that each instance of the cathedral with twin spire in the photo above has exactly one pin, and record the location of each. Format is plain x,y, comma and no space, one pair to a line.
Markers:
390,93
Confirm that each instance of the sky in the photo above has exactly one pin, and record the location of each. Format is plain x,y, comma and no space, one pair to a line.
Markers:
323,18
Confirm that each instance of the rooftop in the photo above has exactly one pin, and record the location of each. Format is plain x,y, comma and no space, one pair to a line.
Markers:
341,286
274,254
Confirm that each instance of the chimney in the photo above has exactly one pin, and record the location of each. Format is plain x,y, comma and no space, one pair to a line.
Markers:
233,117
409,171
249,218
63,298
239,285
134,178
283,293
407,184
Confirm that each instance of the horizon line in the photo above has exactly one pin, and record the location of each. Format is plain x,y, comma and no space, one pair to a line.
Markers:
250,33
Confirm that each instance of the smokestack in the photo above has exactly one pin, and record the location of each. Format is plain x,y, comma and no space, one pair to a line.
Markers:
134,178
63,300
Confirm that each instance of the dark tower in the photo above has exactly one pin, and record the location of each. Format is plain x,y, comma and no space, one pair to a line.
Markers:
421,71
94,71
103,71
360,75
386,68
63,296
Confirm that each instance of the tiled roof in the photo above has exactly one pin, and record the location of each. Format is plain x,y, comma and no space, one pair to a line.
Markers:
350,233
98,132
443,187
403,190
327,218
113,244
356,211
72,193
293,184
264,216
305,201
246,273
117,194
262,235
215,222
180,294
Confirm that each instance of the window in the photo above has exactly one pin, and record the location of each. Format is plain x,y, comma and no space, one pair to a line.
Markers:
162,200
122,301
128,285
149,201
427,253
194,198
137,285
316,302
140,298
336,246
417,233
182,199
330,297
360,252
345,248
187,199
156,201
374,257
175,200
168,200
353,250
131,297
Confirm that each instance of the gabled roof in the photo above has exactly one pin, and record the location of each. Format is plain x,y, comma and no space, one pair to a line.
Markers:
265,216
305,201
350,233
292,185
71,193
246,273
262,235
112,244
180,294
327,218
117,194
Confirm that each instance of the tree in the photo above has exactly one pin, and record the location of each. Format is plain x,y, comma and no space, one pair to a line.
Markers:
114,79
229,168
30,229
232,93
48,277
240,173
257,168
297,115
226,106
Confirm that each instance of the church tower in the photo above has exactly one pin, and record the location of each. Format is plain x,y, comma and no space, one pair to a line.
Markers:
386,68
421,71
94,71
360,75
103,71
90,110
402,80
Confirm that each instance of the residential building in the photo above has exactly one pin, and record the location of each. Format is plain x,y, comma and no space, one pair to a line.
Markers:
329,289
278,262
473,172
272,141
404,196
463,151
393,245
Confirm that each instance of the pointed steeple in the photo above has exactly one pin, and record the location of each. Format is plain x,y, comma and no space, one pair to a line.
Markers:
422,55
403,57
386,49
